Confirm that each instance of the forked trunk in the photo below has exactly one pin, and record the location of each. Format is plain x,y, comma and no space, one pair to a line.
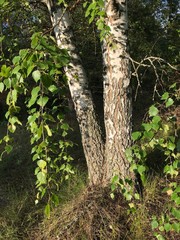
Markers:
103,160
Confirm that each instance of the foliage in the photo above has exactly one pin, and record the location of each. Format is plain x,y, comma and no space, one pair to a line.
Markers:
36,73
160,135
155,25
95,11
34,76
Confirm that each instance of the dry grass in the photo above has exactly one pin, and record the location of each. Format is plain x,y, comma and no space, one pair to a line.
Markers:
154,203
91,215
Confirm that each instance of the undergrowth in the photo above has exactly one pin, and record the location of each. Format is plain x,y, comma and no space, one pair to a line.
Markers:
84,213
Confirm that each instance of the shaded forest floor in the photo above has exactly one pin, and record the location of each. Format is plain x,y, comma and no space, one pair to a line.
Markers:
82,214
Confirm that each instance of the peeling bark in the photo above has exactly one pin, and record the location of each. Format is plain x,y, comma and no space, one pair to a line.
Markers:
117,100
103,160
91,134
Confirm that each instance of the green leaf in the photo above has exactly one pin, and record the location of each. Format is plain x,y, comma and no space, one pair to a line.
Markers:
169,169
149,135
36,75
160,237
2,2
165,96
154,224
171,146
34,95
42,101
32,118
41,176
169,102
65,126
53,89
8,148
129,154
47,210
136,135
23,53
35,157
90,7
147,126
7,83
2,38
14,96
1,87
161,228
173,86
153,111
137,196
175,198
177,190
113,187
156,119
176,213
133,167
5,71
47,80
167,227
115,179
112,195
16,69
85,4
30,68
101,3
16,59
49,132
62,60
100,25
34,40
176,227
55,199
155,126
141,169
42,164
128,196
19,77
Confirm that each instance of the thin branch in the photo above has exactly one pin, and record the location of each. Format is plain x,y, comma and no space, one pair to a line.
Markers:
152,60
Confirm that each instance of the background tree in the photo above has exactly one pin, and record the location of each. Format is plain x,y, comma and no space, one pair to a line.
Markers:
33,76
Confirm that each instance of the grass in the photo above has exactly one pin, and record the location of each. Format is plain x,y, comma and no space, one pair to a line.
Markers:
19,216
92,214
83,213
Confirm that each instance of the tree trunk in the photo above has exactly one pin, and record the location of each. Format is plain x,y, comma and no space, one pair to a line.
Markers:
103,160
90,129
117,100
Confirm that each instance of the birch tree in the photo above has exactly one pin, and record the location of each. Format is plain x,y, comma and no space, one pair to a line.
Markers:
105,157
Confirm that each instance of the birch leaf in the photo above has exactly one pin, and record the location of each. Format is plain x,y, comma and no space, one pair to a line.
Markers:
36,75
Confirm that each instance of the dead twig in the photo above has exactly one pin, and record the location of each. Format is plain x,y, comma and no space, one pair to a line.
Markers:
149,62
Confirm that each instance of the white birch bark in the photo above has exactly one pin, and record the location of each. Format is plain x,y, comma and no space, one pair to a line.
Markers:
102,163
92,141
117,102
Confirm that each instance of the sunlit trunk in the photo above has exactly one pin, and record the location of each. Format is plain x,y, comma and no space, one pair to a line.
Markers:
92,141
103,160
117,99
